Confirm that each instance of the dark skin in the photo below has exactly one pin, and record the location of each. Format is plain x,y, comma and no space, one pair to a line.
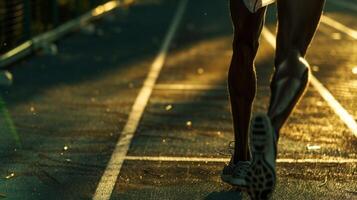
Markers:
298,21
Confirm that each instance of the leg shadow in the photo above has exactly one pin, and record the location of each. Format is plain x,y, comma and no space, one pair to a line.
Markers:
233,193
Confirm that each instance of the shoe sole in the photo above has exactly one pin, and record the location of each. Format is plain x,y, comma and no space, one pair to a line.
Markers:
238,183
261,176
229,180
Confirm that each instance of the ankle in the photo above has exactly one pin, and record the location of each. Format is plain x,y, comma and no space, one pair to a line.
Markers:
239,159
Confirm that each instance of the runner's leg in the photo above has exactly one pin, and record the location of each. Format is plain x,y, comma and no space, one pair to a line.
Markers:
298,21
241,75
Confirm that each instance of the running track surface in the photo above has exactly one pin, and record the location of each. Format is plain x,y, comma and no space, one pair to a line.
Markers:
139,110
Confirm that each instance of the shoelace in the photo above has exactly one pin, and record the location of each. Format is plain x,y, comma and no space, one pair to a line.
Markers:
231,147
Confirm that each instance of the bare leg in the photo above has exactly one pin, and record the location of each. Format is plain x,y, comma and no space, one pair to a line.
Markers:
241,76
298,21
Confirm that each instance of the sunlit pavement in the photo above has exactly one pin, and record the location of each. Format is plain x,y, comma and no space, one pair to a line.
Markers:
62,118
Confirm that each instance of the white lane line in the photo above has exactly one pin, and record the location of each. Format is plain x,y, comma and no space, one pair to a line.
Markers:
175,159
109,178
9,138
338,26
189,87
331,160
269,37
344,4
333,103
326,95
193,87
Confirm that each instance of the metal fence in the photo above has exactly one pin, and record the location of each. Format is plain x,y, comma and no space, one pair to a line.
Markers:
21,20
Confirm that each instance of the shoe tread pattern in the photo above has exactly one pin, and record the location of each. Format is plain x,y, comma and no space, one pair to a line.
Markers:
261,176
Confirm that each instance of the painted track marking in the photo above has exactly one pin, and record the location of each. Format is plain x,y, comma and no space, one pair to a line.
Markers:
189,87
219,160
338,26
8,133
323,91
110,175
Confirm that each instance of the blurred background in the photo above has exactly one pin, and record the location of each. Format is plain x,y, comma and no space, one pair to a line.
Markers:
72,70
20,20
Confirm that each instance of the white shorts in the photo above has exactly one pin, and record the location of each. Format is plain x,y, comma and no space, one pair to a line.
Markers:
254,5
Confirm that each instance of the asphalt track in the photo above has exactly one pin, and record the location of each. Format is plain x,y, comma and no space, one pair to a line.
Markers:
139,110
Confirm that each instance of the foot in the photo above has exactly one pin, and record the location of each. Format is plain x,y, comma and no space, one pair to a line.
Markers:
235,174
261,176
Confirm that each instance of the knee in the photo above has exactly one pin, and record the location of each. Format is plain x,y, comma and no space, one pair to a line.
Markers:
245,44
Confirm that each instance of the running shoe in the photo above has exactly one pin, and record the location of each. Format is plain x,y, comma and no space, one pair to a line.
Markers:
261,177
235,174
